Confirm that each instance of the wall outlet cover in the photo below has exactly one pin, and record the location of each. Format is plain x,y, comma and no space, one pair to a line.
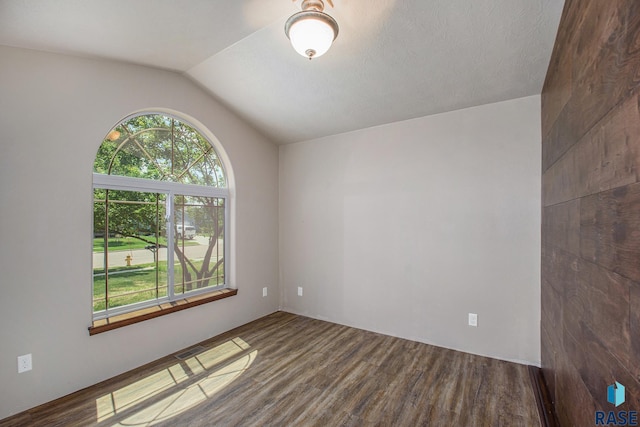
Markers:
473,319
24,363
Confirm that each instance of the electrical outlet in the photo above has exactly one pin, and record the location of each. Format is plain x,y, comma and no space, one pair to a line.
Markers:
299,291
473,319
24,363
264,291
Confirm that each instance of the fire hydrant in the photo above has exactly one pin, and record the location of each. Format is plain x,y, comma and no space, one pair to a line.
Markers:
128,260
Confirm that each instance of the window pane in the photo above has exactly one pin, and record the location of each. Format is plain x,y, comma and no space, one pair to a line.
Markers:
199,243
130,225
161,148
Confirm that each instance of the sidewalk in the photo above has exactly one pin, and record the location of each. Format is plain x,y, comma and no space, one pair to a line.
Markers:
145,256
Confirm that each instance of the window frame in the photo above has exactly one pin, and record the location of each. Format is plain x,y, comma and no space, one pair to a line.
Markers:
132,313
124,183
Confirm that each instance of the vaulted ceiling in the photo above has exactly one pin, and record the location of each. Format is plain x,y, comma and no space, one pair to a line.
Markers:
393,59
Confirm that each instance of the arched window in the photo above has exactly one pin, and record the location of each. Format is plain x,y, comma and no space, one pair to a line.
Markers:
160,216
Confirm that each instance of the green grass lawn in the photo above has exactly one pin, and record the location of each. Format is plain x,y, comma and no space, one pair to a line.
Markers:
130,243
125,268
134,284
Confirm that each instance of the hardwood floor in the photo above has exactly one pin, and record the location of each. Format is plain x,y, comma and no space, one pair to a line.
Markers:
288,370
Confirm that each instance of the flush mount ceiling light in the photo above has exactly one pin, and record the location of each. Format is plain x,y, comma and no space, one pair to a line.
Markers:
311,31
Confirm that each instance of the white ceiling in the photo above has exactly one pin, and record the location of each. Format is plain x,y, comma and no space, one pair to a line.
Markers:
393,59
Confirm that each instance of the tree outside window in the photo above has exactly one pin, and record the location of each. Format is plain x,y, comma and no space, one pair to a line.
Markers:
159,215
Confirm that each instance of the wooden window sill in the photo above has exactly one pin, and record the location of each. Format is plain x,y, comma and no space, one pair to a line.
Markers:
115,322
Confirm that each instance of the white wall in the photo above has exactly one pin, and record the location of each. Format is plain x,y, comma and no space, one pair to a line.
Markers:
406,228
54,112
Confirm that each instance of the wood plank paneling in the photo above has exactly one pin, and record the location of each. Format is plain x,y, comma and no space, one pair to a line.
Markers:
574,404
606,60
561,226
558,268
610,230
552,310
558,141
599,368
604,57
558,90
594,300
550,362
607,157
634,364
288,370
591,159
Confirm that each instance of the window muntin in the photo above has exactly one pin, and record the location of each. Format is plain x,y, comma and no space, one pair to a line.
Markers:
158,184
162,148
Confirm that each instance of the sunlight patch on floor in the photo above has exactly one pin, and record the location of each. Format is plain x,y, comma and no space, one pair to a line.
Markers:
140,397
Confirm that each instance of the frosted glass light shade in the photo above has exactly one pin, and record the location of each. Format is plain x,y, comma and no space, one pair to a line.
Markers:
311,33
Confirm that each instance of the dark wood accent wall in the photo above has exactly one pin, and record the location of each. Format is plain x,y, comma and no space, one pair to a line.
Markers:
591,209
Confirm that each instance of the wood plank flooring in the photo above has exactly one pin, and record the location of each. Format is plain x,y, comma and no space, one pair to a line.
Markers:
289,370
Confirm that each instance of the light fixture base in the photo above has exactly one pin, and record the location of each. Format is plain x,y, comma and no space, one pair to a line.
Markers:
317,5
